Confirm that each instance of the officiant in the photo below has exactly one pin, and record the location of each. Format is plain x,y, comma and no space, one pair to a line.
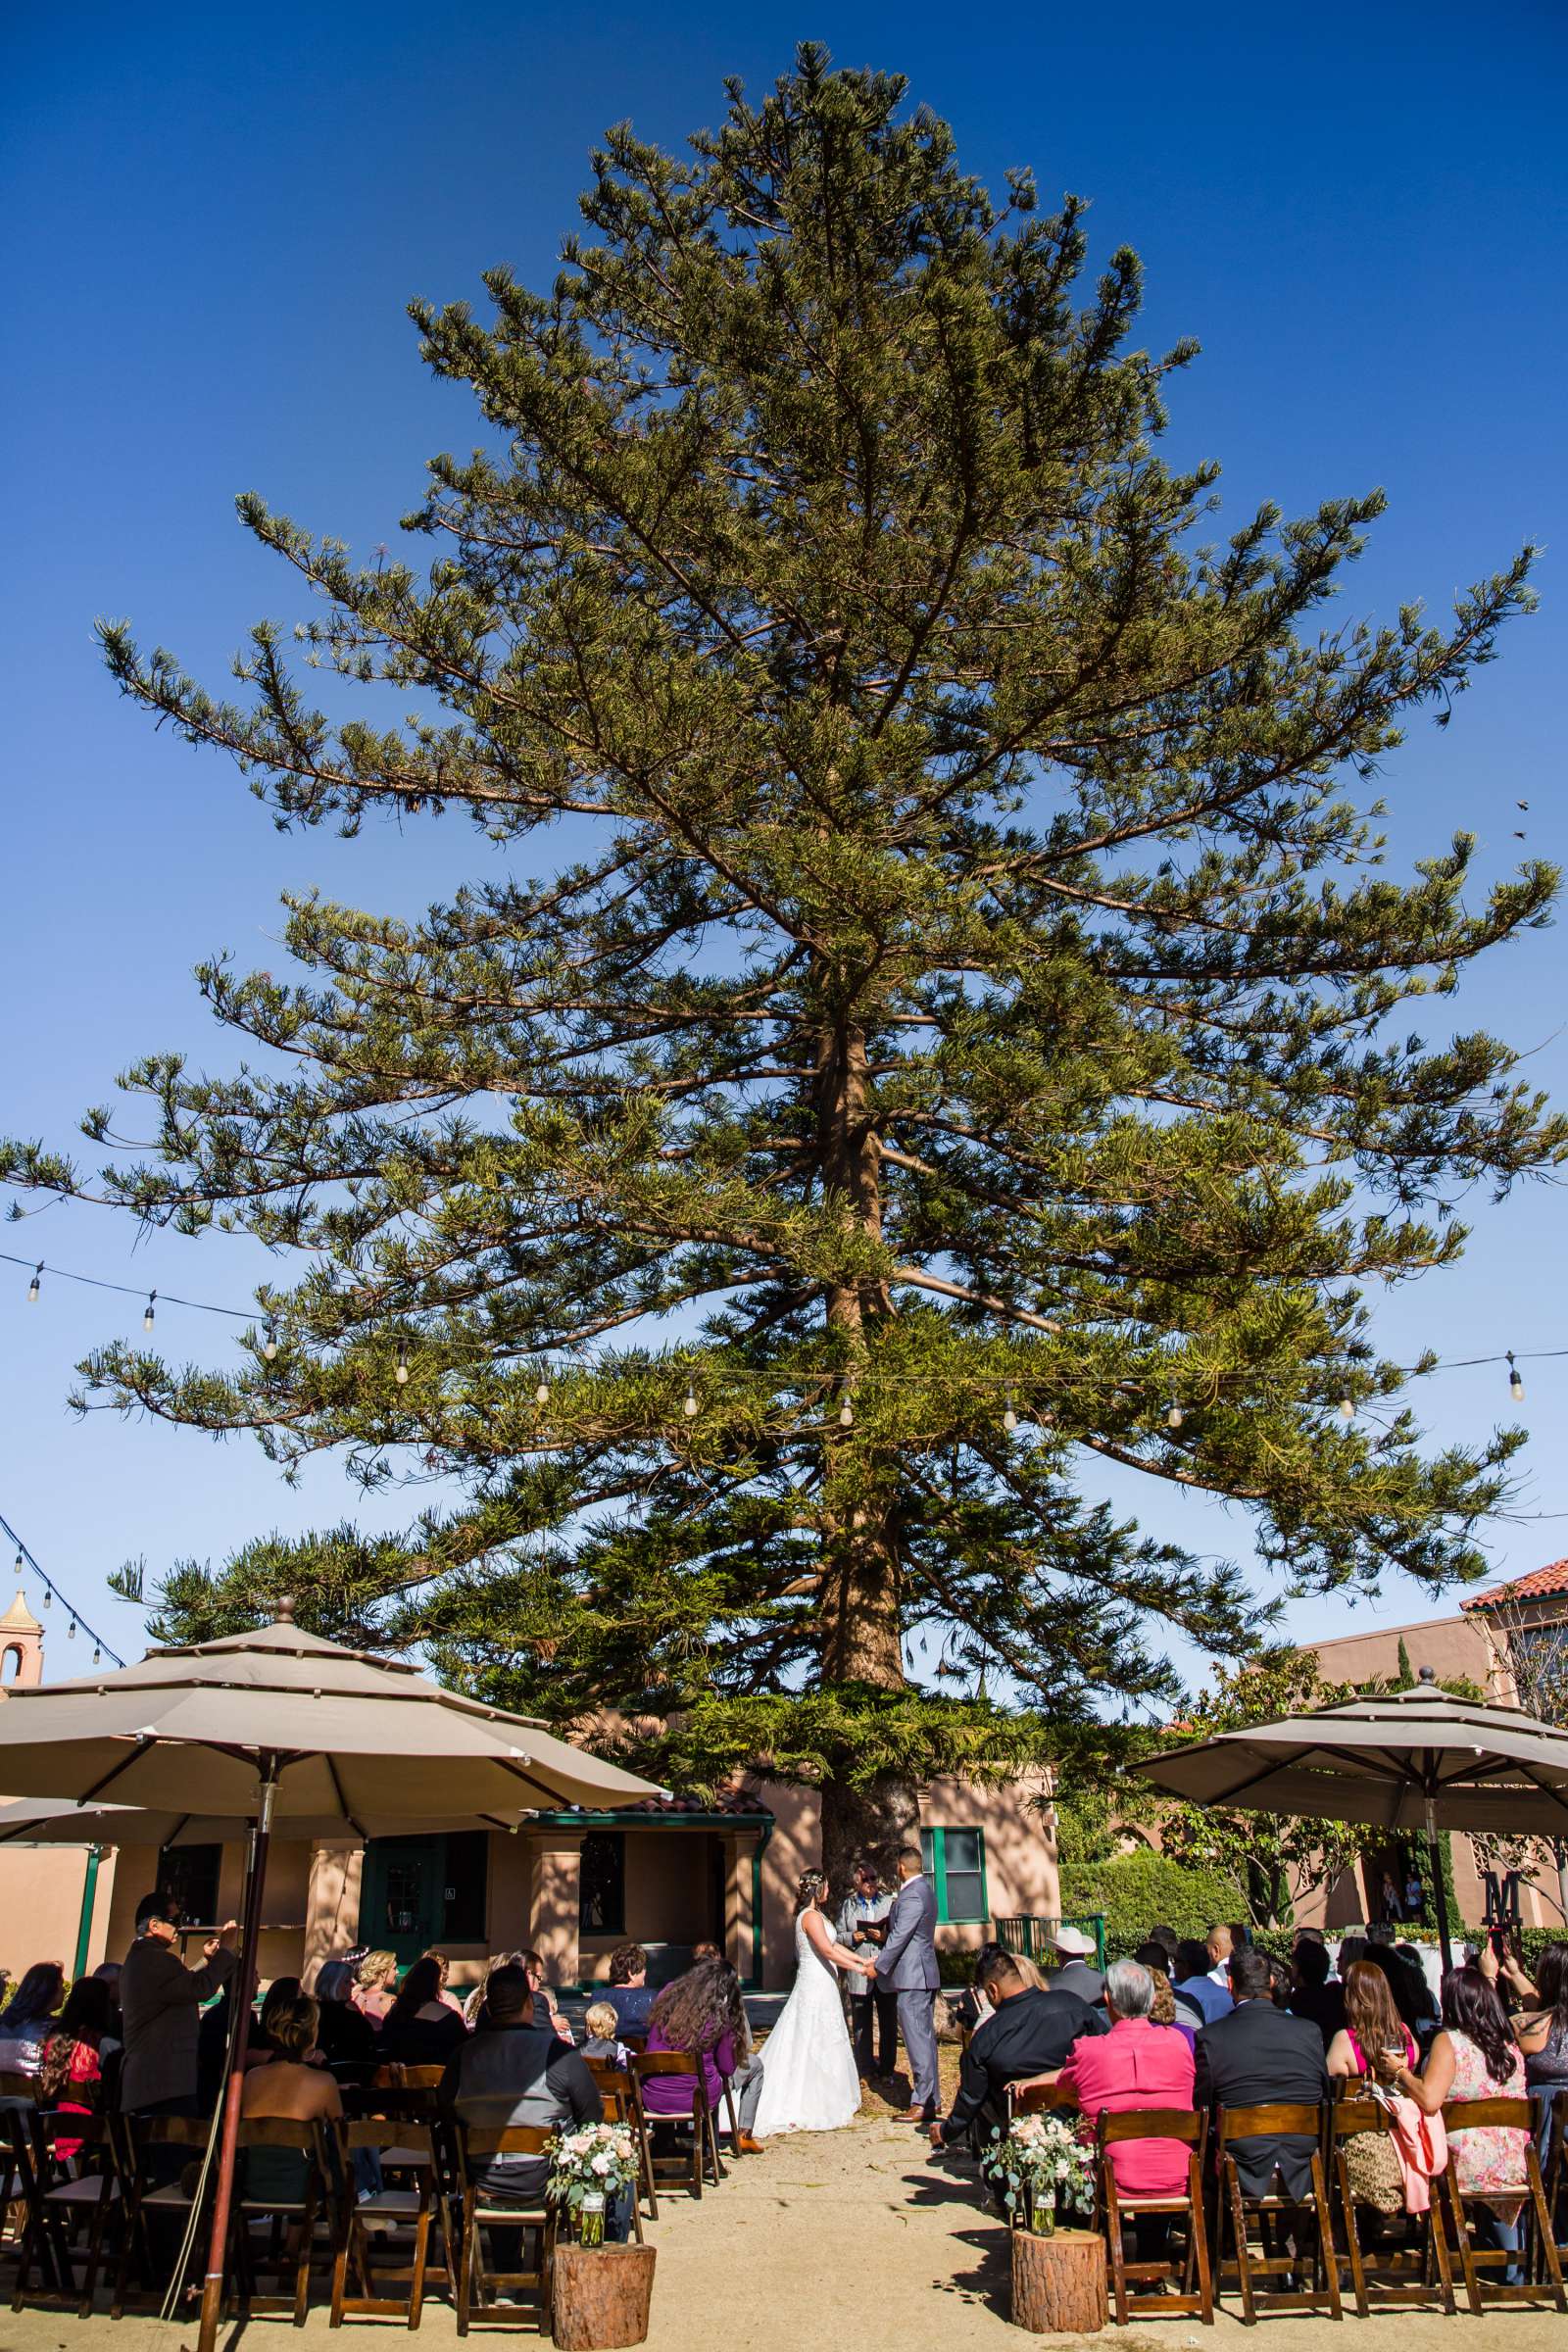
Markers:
861,1927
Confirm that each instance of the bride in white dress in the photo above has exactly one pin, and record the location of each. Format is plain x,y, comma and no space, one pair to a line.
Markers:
809,2078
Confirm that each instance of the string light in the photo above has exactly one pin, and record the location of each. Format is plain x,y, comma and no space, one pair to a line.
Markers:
845,1415
688,1409
1346,1407
1009,1419
147,1310
402,1374
1173,1415
1516,1386
270,1342
33,1287
26,1565
541,1394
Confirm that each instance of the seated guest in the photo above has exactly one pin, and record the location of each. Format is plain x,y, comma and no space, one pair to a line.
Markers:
1166,1938
27,2020
1312,1995
375,1983
1254,2057
1544,2024
1197,1993
474,2006
1372,2043
420,2029
1407,1987
1219,1945
1023,2042
600,2041
706,1951
344,2033
1476,2057
1137,2064
512,2072
544,2000
278,1998
159,2004
1072,1972
1352,1948
702,2014
449,2000
1163,2011
630,1995
72,2075
288,2087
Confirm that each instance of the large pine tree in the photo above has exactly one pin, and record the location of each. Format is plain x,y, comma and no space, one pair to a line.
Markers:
950,1045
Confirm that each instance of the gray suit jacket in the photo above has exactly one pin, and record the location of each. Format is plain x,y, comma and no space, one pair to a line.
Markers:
909,1959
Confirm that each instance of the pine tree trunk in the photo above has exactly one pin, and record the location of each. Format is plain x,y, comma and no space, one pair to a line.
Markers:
873,1821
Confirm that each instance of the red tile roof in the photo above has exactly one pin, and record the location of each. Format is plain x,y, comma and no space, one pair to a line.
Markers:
738,1801
1538,1585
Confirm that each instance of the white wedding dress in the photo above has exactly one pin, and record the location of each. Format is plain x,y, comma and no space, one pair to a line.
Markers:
809,2078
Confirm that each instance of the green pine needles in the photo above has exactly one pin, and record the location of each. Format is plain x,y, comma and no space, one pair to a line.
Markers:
962,980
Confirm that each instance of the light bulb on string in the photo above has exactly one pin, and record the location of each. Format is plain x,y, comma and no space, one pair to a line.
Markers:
48,1591
270,1343
22,1561
1173,1415
147,1310
1346,1407
1009,1419
402,1373
70,1630
33,1287
97,1656
1516,1386
845,1415
541,1394
688,1409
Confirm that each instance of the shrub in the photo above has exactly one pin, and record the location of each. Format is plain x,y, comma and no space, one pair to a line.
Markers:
1137,1890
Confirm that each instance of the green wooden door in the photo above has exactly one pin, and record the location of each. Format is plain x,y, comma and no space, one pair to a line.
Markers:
403,1902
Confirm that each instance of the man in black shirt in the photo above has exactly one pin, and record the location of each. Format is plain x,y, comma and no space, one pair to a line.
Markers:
1311,1994
1029,2033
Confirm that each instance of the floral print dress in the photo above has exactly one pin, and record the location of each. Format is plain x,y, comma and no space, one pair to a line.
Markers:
1491,2157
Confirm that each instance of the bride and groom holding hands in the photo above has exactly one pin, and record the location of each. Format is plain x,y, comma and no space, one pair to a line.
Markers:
810,2078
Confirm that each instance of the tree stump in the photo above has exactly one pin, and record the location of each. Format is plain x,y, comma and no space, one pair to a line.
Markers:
1058,2282
602,2295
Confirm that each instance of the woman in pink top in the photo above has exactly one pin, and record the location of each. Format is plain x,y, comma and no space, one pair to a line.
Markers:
1137,2064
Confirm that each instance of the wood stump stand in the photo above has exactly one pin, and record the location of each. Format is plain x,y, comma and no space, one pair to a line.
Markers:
602,2295
1058,2282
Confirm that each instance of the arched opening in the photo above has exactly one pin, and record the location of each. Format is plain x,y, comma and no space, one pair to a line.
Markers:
10,1662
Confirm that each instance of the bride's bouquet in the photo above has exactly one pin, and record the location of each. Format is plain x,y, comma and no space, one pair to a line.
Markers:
589,2165
1038,2166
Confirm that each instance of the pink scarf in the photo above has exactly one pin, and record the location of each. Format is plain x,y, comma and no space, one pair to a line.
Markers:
1420,2144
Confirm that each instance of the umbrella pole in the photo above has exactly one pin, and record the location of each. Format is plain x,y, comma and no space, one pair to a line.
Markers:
234,2089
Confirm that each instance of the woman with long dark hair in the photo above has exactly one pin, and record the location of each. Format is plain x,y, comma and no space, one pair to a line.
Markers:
1543,2027
420,2029
702,2014
71,2076
1476,2057
26,2025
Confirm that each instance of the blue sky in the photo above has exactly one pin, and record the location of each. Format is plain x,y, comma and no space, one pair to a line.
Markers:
213,222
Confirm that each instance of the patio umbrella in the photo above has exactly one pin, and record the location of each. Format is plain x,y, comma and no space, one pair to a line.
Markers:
274,1728
1415,1760
56,1821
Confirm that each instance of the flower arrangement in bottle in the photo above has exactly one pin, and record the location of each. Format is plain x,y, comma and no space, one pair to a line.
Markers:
589,2167
1039,2167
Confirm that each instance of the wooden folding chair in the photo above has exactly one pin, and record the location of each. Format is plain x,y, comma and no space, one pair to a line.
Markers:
1041,2098
61,2201
618,2091
289,2217
1556,2170
408,2091
24,2189
705,2140
1348,2114
401,2147
1276,2121
1197,2291
153,2204
1537,2255
474,2146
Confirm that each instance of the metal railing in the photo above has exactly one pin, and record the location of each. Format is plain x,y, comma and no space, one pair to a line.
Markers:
1030,1934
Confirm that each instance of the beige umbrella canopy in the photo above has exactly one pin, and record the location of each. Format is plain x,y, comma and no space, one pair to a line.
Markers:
358,1740
275,1728
1415,1760
56,1821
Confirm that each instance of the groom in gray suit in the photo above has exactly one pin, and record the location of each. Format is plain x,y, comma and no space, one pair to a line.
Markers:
907,1966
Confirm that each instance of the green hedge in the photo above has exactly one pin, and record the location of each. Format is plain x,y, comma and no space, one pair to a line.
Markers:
1137,1891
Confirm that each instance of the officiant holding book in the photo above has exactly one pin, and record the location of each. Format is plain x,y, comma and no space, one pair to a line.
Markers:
863,1927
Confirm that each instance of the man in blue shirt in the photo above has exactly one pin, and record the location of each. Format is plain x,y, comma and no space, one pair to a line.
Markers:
1194,1988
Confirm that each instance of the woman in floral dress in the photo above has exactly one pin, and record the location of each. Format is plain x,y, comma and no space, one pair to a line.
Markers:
1476,2057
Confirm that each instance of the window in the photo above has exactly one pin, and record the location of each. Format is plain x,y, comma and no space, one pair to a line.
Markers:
956,1863
190,1873
462,1890
602,1884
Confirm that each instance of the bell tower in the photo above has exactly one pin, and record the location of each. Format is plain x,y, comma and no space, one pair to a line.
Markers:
21,1645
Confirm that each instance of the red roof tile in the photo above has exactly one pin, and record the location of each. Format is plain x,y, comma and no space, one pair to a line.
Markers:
1538,1585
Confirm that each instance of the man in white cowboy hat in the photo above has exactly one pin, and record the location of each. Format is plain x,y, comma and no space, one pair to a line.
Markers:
1071,1975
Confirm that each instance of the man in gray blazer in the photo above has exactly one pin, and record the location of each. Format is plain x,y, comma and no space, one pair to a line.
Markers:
907,1963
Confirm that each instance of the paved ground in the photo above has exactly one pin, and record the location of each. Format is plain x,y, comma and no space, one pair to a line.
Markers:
847,2241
